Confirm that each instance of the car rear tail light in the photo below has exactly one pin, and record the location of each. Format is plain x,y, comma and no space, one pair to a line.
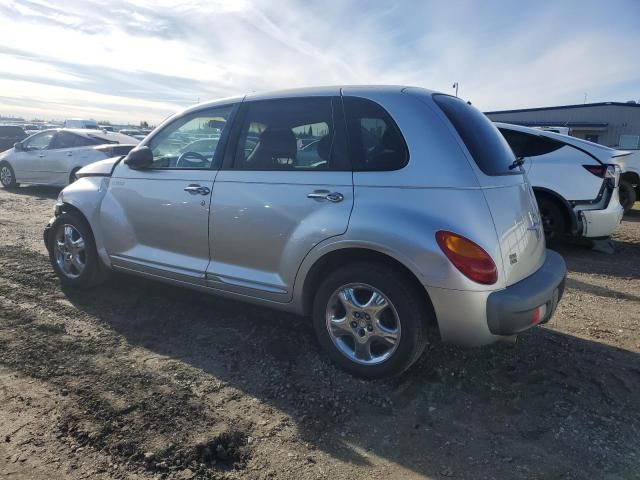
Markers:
468,257
613,172
597,170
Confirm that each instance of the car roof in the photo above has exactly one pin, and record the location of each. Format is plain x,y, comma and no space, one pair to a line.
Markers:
93,133
331,90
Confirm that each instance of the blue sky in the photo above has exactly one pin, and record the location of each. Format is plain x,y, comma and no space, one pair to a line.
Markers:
143,60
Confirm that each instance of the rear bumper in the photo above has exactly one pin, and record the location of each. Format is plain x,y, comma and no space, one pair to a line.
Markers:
602,223
512,310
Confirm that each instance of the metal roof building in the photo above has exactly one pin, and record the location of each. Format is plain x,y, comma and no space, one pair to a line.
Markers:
614,124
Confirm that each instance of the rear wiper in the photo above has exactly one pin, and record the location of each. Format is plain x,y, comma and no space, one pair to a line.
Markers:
518,162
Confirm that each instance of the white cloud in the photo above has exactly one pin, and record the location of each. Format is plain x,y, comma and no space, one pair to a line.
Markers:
134,60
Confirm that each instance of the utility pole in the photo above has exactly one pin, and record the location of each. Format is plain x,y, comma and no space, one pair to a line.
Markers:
455,85
585,98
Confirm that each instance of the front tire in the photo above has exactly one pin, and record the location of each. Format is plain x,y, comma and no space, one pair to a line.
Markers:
371,320
554,222
73,254
8,176
627,195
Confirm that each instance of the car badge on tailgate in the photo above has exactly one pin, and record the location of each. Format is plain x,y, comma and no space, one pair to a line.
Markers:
534,226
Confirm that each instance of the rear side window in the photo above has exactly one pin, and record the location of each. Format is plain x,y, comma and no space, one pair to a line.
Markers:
69,140
527,145
298,134
375,141
488,148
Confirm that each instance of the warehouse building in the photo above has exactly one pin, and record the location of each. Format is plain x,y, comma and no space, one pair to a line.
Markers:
613,124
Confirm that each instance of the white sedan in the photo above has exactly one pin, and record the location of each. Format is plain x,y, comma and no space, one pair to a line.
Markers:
52,157
575,182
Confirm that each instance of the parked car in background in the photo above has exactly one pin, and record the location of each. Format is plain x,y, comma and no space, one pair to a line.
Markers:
80,123
9,135
411,214
575,181
107,128
52,157
629,179
133,133
31,128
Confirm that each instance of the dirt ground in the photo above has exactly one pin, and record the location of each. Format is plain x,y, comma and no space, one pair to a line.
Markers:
141,380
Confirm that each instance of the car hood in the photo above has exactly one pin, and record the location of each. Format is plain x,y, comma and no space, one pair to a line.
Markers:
101,168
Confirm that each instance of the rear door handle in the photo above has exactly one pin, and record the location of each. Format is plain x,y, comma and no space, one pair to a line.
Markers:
195,189
69,154
334,197
41,155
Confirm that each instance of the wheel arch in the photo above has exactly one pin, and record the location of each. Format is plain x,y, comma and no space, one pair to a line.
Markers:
565,206
339,257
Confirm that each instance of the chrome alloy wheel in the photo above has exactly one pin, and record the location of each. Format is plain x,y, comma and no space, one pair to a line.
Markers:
69,250
5,175
363,323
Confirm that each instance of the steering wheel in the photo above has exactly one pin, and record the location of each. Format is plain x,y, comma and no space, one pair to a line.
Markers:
195,160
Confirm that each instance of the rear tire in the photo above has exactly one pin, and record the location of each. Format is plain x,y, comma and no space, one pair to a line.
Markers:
380,340
73,254
627,195
554,222
8,176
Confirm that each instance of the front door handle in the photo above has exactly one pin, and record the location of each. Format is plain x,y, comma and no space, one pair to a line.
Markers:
195,189
69,154
41,155
334,197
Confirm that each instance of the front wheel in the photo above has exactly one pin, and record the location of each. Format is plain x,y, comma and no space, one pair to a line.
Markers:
371,320
8,176
627,195
73,254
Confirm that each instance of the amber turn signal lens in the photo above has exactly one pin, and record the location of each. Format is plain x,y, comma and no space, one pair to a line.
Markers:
468,257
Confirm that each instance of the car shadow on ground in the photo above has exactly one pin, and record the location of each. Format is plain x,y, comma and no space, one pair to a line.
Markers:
623,263
38,191
552,406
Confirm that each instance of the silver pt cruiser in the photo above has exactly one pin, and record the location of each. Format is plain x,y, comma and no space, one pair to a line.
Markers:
377,211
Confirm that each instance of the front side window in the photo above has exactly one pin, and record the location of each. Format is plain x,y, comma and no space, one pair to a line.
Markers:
487,147
526,145
375,141
38,142
289,134
191,142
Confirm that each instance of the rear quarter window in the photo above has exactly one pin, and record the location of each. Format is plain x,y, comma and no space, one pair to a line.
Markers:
375,141
487,146
527,145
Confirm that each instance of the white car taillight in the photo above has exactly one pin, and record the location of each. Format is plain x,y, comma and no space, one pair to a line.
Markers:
613,172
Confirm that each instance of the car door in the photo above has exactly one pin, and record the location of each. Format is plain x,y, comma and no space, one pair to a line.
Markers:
63,153
271,205
156,220
29,163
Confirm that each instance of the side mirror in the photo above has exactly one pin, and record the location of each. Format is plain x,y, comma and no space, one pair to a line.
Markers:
18,147
139,158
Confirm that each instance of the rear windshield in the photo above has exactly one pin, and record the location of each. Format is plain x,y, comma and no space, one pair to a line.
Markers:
488,148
